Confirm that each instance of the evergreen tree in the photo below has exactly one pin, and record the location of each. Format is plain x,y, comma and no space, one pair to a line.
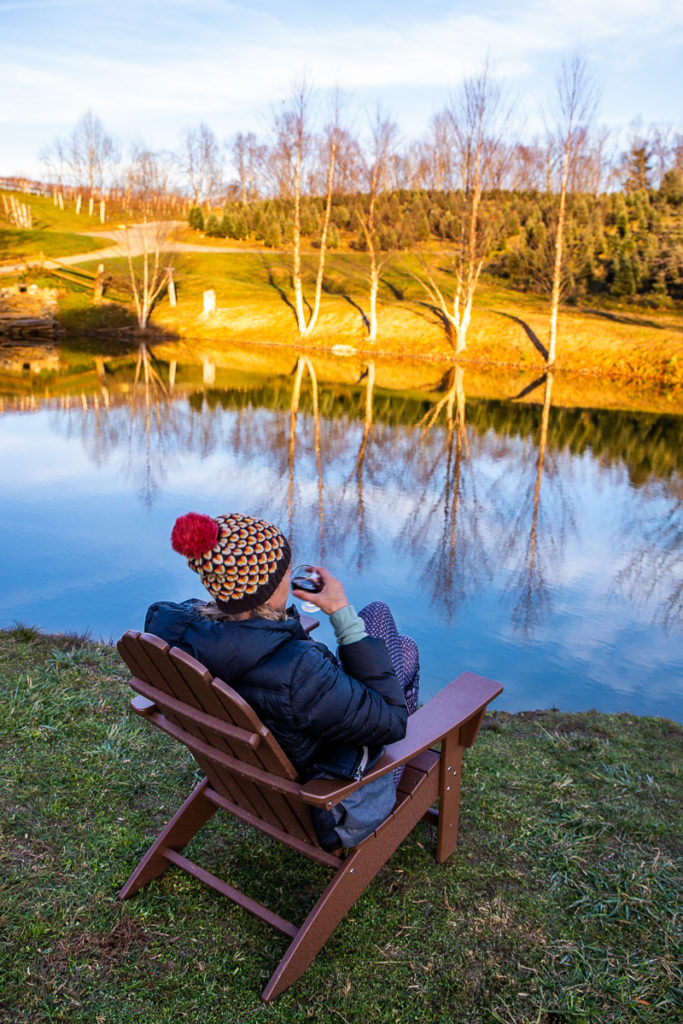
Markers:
272,233
196,218
639,168
213,227
228,226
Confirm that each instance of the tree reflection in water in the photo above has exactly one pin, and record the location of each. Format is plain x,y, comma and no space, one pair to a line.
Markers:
534,560
653,574
364,545
446,518
148,394
304,363
462,489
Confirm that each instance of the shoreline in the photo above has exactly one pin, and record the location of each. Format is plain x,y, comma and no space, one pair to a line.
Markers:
21,632
74,365
508,330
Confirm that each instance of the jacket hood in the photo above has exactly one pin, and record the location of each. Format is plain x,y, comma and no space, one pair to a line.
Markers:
228,649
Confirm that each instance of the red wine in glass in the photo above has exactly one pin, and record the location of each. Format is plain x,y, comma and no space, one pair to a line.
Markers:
304,577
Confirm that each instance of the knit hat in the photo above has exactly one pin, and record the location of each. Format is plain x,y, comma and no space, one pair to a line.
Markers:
240,560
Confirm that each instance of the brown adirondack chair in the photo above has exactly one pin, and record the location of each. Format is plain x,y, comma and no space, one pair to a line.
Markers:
248,775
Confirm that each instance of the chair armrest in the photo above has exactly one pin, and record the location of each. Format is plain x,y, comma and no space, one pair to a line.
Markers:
460,703
452,707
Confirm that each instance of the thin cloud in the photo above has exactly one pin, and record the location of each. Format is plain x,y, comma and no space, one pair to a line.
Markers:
140,65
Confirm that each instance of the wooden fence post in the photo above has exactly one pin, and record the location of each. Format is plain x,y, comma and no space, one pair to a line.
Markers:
98,290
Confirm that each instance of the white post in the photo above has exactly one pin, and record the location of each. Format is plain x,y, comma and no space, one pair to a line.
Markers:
209,302
101,211
91,205
209,374
78,203
171,288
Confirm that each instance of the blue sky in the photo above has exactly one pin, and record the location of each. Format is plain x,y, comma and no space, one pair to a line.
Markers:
149,68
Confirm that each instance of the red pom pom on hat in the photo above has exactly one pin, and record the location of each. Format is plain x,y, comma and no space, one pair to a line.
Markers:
194,534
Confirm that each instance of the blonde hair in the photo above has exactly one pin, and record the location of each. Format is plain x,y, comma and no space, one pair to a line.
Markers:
263,611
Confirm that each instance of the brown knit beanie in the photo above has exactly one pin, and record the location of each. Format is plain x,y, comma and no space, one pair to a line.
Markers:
240,560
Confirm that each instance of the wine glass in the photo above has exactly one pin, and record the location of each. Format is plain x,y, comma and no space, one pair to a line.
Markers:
304,577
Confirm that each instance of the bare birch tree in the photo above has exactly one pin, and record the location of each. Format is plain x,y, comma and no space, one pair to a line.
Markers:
248,156
293,138
477,119
146,177
145,244
438,154
87,155
201,162
575,100
383,134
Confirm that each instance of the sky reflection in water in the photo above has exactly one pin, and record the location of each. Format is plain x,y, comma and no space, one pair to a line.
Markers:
557,576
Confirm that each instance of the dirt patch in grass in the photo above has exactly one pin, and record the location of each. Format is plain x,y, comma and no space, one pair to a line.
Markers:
110,947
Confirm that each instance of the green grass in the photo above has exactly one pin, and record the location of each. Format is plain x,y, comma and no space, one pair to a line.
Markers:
17,244
559,906
46,215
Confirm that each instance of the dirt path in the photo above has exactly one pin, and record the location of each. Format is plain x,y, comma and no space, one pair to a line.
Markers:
136,243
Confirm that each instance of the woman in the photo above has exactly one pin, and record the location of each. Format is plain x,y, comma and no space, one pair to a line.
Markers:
331,715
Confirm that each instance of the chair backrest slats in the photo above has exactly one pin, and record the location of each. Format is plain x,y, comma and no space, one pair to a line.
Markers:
153,662
185,681
246,794
209,723
269,756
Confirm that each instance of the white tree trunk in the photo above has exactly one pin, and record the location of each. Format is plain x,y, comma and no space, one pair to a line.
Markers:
323,237
557,268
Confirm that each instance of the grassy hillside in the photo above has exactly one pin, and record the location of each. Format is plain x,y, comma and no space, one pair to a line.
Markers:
254,304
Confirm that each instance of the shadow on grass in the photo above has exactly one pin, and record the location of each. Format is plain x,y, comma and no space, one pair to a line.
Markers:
274,283
439,317
631,321
351,302
530,333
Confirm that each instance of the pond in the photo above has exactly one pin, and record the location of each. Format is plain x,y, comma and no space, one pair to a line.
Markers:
521,536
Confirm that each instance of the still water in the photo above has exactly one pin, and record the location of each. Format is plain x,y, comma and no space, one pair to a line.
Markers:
532,543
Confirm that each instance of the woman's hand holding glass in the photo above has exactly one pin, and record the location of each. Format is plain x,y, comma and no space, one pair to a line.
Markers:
330,598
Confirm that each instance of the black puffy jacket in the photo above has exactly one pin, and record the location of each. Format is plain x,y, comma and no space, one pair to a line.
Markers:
328,717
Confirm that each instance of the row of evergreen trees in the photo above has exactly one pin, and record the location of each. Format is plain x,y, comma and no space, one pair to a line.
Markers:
617,244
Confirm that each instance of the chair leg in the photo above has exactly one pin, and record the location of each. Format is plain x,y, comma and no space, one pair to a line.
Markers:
449,797
348,883
185,824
